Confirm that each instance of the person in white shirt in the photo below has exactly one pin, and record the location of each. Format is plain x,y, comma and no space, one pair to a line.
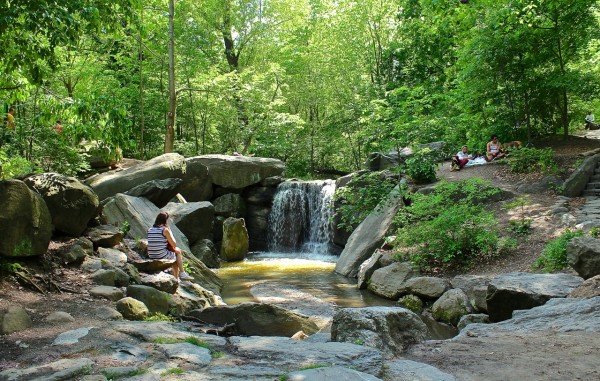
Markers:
461,158
590,121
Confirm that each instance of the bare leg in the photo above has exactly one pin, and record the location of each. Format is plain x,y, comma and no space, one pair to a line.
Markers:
178,264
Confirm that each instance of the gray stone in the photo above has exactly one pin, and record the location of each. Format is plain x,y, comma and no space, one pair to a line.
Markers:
218,228
159,192
407,370
71,204
140,214
77,252
259,195
291,354
583,254
257,319
25,220
451,306
205,251
170,165
59,317
239,172
588,289
113,257
155,300
230,205
194,219
367,268
330,373
65,369
91,264
107,313
129,353
107,292
202,274
472,319
388,281
520,291
369,235
132,309
104,236
257,223
153,265
272,181
14,319
111,277
191,296
426,287
235,243
71,337
197,183
115,372
188,352
152,331
545,184
162,282
576,183
390,329
475,286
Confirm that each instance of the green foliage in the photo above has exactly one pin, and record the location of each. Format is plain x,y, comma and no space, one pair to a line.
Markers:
216,354
14,166
23,248
421,167
197,342
448,227
554,254
361,196
527,160
10,267
594,232
172,371
160,317
188,268
125,227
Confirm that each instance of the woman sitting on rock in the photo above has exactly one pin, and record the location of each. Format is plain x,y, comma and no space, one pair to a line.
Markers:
162,245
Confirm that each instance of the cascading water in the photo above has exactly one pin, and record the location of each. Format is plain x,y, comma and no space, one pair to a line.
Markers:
300,219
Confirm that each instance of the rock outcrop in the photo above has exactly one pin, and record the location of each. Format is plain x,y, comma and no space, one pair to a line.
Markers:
237,172
583,254
235,240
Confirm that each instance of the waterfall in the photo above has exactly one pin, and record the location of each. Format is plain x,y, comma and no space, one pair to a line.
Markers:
300,218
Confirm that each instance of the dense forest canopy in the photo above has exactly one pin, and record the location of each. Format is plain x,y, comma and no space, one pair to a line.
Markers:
316,83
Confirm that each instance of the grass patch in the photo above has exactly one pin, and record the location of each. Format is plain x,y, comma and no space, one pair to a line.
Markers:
554,254
166,340
160,317
172,371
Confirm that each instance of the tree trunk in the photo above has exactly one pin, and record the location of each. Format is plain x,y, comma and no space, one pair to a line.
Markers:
140,57
170,134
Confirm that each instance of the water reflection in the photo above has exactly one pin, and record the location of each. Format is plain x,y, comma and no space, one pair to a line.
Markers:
305,283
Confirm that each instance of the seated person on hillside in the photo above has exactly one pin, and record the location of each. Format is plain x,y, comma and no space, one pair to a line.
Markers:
590,121
162,245
461,159
494,149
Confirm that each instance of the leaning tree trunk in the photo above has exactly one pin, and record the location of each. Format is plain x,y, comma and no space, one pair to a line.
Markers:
170,134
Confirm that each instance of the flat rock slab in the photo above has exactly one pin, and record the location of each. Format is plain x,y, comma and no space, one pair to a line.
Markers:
151,265
107,292
520,291
188,352
65,369
330,373
71,337
150,331
291,355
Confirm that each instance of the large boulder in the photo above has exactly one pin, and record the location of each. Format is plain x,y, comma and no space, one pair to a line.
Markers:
367,268
140,214
159,192
330,373
426,287
14,319
451,306
257,319
389,281
475,286
197,184
390,329
583,253
588,289
237,172
194,219
156,301
206,252
369,235
71,204
576,183
25,221
521,291
169,165
235,240
260,195
132,309
104,235
202,274
230,205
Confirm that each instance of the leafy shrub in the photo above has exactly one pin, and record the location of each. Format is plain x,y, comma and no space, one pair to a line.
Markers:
554,254
361,196
14,166
421,167
526,160
448,227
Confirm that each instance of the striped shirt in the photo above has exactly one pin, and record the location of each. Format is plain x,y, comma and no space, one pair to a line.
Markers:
157,243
